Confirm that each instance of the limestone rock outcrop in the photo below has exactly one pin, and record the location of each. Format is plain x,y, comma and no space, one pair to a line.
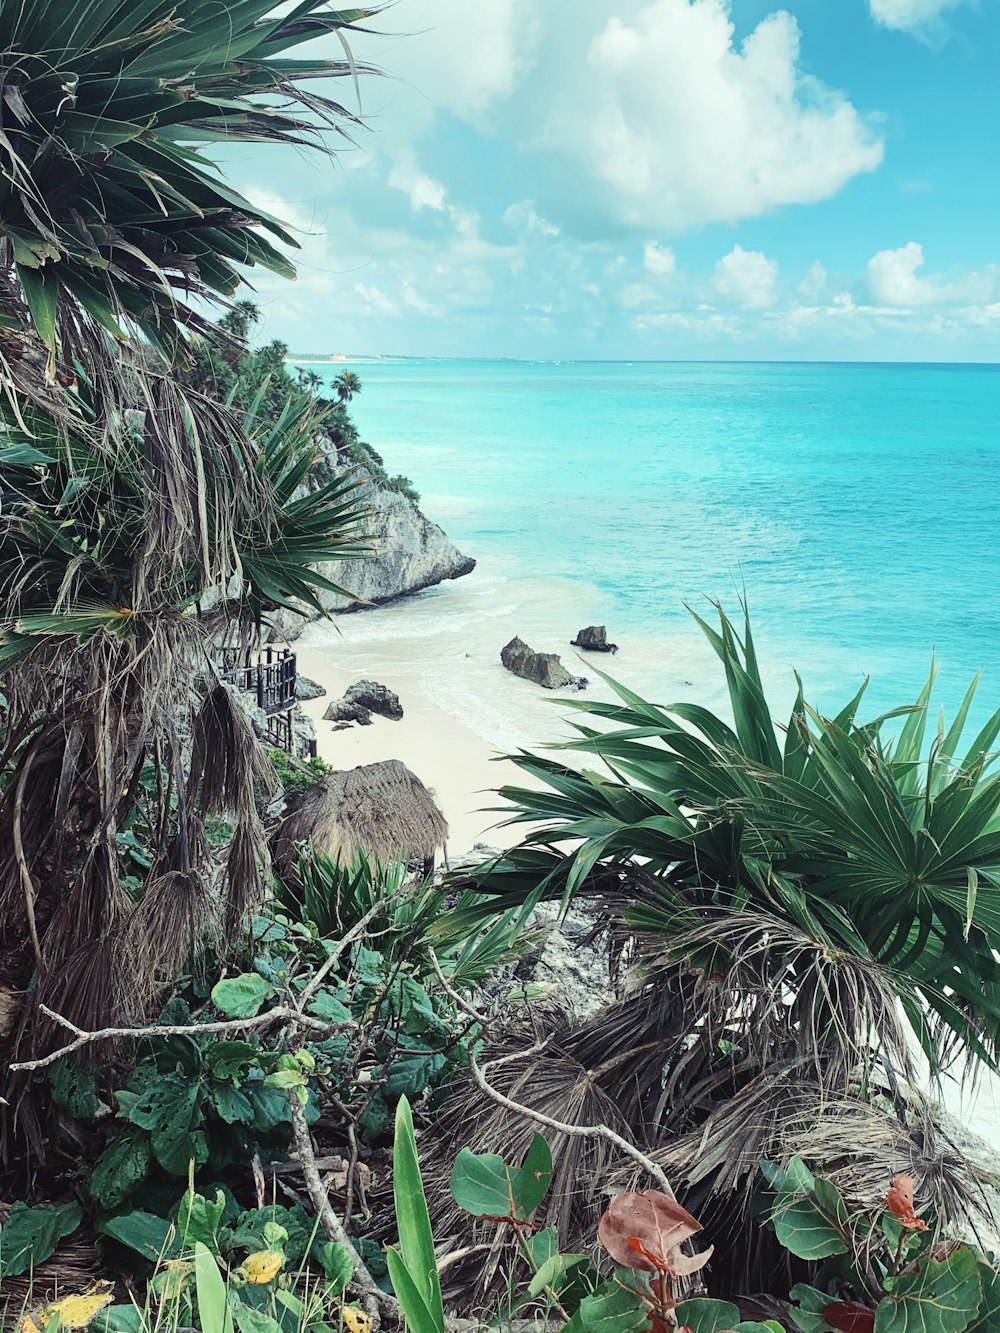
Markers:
410,553
543,668
594,639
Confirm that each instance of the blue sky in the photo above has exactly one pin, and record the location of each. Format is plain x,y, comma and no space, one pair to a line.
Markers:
655,179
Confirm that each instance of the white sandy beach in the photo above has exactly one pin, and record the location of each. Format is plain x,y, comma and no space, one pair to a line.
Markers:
459,767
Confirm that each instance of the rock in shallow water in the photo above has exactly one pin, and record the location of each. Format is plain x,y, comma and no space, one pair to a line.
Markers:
543,668
595,640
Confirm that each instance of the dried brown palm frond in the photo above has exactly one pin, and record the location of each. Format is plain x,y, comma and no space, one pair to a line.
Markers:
743,1039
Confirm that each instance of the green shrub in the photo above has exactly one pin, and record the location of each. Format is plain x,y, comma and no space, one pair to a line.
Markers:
297,775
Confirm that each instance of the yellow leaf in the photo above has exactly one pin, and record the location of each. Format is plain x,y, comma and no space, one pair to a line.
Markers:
355,1321
28,1325
74,1311
262,1266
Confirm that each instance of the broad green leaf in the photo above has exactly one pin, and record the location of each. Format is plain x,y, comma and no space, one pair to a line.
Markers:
31,1235
148,1234
484,1185
242,996
198,1220
119,1169
338,1268
941,1296
707,1316
809,1216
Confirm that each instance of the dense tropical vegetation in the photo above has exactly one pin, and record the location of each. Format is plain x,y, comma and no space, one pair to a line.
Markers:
208,1119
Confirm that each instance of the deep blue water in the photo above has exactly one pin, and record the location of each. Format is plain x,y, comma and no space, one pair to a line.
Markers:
858,504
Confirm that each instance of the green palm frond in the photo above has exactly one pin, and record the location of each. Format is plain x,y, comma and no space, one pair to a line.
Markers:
110,212
870,837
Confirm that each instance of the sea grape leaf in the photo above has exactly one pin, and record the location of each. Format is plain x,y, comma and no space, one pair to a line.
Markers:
485,1186
242,996
120,1168
807,1311
987,1319
612,1308
707,1316
938,1296
31,1235
552,1271
809,1216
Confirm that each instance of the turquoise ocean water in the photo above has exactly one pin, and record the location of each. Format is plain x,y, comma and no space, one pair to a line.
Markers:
859,505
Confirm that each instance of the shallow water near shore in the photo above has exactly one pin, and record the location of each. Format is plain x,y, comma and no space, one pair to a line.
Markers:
858,506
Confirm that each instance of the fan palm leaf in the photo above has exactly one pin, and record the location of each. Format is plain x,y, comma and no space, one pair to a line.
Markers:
111,215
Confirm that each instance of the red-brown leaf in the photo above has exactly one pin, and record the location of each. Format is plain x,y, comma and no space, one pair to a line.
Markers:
900,1203
849,1317
645,1232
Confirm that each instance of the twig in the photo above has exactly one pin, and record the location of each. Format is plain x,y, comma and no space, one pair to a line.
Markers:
375,1301
561,1126
83,1038
355,931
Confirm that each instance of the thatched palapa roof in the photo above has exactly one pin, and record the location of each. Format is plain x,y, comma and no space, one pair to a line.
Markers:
381,809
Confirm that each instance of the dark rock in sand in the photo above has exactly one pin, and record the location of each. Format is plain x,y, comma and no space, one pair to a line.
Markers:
361,700
345,710
308,689
595,640
376,698
543,668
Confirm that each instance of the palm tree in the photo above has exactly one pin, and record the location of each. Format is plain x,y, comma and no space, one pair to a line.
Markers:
111,215
806,908
347,385
144,525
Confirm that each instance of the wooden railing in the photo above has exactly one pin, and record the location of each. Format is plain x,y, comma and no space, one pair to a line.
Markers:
270,678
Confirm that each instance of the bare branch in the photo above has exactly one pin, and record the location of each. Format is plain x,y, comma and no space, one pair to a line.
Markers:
479,1074
375,1301
283,1013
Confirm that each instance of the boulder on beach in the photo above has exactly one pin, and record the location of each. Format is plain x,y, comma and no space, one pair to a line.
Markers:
595,640
308,689
543,668
361,700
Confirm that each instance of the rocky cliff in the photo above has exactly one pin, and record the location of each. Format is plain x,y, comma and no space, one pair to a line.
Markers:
411,553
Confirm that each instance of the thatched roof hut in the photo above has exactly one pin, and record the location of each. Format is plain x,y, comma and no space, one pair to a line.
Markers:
381,809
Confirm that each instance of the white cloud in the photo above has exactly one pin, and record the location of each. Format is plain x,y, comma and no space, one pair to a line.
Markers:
747,277
658,259
687,128
423,190
635,294
894,281
909,15
452,55
813,285
525,217
376,299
